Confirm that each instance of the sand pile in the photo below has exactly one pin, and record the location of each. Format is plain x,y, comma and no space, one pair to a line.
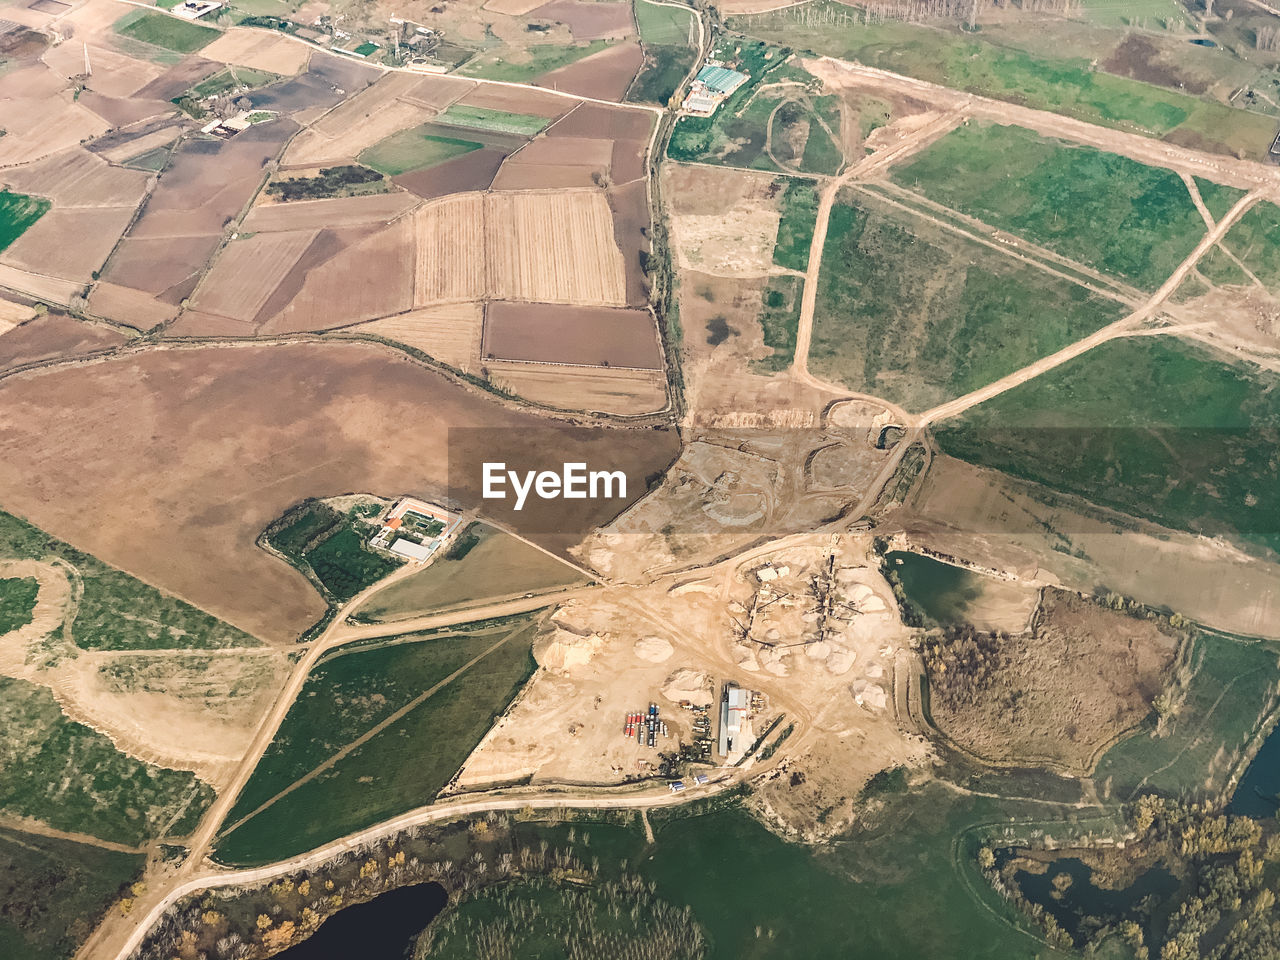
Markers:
563,650
686,684
654,649
870,695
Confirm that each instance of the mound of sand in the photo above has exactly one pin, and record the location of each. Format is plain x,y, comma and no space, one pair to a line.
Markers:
870,695
691,685
563,650
654,649
841,660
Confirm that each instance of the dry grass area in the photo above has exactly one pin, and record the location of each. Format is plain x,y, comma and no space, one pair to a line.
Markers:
70,242
724,222
318,214
623,392
449,333
258,49
48,289
38,128
450,264
1057,695
248,271
78,178
127,305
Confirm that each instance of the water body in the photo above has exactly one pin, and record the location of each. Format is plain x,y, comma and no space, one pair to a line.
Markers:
1083,899
1258,794
382,929
1203,42
943,592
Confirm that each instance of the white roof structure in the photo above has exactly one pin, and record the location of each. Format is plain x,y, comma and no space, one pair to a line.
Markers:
414,551
195,9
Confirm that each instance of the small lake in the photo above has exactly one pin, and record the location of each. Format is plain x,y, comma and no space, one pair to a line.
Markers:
1203,42
942,591
1256,796
382,929
1081,898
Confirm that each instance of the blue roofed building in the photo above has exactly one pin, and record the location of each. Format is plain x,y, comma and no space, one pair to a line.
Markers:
712,86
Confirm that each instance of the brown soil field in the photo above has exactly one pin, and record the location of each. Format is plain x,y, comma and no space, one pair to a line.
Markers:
52,336
193,323
517,100
128,148
1057,695
369,279
70,242
120,112
34,81
48,289
621,392
559,162
450,333
450,263
358,131
512,8
628,162
723,222
258,49
179,78
589,21
551,333
13,313
79,178
210,182
471,171
114,74
247,271
37,128
126,305
553,247
158,265
1006,524
630,208
610,123
327,245
230,438
438,92
605,75
380,208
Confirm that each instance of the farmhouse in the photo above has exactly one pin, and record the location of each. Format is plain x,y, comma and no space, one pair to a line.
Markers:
415,530
712,86
195,9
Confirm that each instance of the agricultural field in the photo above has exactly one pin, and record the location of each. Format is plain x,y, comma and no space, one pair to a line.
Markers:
480,564
350,729
587,336
665,68
795,230
521,66
1069,86
497,121
55,891
1144,426
415,149
17,213
665,25
71,777
1112,213
180,36
329,182
910,313
332,547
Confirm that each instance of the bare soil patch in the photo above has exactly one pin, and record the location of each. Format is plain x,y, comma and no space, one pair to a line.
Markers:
48,289
37,128
230,438
517,100
70,242
52,336
160,265
622,392
605,122
79,178
129,306
630,208
723,222
550,333
605,75
177,79
1141,58
120,112
114,74
589,21
247,272
1057,695
558,162
449,333
259,49
342,134
450,262
316,214
472,171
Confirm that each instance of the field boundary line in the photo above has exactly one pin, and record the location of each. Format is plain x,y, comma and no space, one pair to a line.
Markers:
36,828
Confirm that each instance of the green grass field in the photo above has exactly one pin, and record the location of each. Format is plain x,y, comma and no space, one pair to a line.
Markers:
665,67
918,316
162,30
1255,239
116,611
820,154
1069,86
1155,428
1220,270
404,764
73,778
224,81
1217,197
17,213
414,149
17,601
54,891
664,25
780,321
498,121
1231,687
1109,212
795,229
529,63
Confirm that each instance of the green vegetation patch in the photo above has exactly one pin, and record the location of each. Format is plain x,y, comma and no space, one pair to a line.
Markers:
1255,239
664,24
664,69
162,30
345,181
414,149
1153,427
418,738
529,63
365,49
54,892
328,545
1074,86
17,213
803,135
499,121
1217,197
917,316
116,611
780,321
225,81
795,229
1104,210
73,778
17,602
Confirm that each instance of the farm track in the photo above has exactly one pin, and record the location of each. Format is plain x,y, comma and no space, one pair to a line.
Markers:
36,829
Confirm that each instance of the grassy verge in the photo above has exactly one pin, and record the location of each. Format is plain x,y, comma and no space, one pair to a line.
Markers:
162,30
1155,428
1255,239
403,765
1104,210
527,64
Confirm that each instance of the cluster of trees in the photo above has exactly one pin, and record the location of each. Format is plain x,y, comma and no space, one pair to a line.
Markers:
963,665
330,182
915,11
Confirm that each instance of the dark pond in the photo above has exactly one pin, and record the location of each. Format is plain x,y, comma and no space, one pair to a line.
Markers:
1072,903
942,591
382,929
718,331
1203,42
1258,794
